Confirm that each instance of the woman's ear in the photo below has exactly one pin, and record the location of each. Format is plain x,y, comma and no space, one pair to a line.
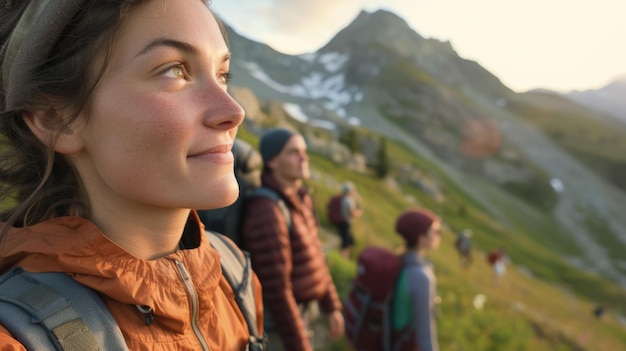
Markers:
46,126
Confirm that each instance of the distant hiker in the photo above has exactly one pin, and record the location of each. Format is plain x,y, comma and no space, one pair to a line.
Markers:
289,259
497,259
463,245
416,286
598,311
342,209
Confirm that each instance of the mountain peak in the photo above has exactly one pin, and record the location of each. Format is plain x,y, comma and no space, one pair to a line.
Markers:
383,36
378,27
608,99
380,17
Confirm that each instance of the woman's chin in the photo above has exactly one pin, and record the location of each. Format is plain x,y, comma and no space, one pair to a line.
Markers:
225,195
229,200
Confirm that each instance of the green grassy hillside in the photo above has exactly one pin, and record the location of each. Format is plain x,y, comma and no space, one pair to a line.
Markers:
542,303
596,140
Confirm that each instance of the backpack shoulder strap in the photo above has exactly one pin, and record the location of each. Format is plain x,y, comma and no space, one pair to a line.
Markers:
39,316
237,269
264,191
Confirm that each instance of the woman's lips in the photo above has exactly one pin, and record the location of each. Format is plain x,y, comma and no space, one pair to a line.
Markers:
221,154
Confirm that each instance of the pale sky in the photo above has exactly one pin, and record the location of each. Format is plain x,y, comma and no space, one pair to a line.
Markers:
561,45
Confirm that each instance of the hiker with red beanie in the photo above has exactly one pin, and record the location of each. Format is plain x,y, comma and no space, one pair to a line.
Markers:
416,285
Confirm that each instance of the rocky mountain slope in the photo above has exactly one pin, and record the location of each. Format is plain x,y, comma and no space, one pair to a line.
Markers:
380,75
610,99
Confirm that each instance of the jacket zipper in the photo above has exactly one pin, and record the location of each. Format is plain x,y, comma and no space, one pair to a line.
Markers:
194,303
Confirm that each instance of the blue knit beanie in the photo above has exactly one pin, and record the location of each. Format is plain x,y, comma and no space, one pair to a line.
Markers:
273,141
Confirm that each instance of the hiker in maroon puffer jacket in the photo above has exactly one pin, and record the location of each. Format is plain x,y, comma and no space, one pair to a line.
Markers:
286,254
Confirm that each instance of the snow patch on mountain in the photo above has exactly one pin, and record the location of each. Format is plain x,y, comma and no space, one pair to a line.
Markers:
327,85
333,61
295,111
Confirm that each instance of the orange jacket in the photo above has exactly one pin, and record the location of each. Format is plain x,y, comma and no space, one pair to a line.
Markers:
77,246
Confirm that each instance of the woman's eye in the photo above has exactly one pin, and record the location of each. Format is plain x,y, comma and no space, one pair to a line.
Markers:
178,72
225,77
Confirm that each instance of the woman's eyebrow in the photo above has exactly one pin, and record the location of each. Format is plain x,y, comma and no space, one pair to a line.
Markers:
177,44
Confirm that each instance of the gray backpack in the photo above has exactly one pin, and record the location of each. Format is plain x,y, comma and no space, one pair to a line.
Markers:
51,311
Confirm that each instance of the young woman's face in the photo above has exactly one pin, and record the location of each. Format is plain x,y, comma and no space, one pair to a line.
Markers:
432,239
161,124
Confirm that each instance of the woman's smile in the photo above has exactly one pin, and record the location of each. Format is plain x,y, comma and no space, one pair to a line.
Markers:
217,154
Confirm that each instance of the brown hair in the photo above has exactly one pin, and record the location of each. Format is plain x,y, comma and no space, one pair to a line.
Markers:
36,183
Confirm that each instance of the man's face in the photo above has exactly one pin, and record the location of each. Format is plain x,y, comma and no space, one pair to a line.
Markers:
292,163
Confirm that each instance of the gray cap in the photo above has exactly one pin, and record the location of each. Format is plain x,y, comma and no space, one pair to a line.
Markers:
273,141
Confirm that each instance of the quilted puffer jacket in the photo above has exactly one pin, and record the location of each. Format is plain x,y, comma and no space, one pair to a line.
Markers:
290,263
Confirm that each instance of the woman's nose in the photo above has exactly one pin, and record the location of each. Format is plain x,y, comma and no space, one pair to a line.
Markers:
224,111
